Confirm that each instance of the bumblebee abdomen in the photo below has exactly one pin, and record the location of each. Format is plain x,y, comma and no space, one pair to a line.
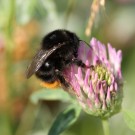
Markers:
52,85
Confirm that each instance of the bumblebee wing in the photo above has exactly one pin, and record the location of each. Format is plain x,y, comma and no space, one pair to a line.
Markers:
36,63
39,59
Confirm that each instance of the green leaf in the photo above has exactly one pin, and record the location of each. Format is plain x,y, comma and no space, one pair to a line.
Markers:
46,94
64,120
129,118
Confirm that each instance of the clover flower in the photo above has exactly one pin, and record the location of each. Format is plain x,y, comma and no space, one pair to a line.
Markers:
98,89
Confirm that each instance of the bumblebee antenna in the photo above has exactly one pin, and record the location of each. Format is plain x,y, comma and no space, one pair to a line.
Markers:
85,42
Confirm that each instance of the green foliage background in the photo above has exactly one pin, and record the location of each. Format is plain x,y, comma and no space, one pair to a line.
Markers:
22,26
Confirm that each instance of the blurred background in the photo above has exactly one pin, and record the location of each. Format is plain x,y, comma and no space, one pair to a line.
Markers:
23,23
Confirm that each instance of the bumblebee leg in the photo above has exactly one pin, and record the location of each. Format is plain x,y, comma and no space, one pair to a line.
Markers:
61,78
78,62
81,64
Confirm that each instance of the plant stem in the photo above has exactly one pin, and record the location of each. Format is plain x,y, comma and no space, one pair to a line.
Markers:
9,48
11,18
69,10
105,126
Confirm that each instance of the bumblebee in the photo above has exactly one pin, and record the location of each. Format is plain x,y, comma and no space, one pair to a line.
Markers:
59,49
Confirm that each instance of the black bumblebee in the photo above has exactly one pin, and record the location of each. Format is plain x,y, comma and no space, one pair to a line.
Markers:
59,49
